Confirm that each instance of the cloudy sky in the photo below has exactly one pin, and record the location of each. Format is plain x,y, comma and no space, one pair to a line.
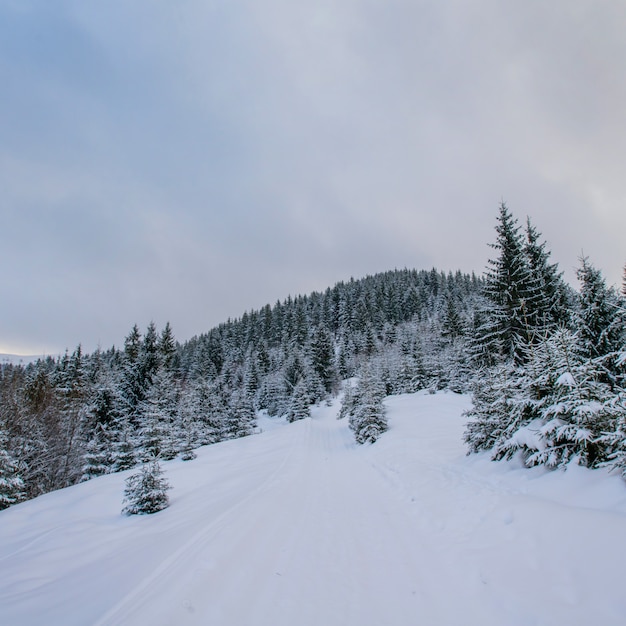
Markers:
190,160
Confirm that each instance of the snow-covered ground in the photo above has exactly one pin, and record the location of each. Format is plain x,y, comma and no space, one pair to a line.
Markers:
299,525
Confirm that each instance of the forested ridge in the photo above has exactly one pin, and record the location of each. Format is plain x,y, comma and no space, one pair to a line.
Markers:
72,418
546,365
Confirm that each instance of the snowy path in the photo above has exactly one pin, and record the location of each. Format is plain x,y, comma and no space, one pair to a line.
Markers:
300,526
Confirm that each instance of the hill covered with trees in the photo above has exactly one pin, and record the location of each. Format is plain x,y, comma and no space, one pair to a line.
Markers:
546,364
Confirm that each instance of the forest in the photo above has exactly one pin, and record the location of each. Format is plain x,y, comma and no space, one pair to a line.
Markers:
545,364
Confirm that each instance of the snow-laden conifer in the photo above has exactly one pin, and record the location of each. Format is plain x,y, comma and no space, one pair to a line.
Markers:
11,484
299,404
367,416
146,491
97,459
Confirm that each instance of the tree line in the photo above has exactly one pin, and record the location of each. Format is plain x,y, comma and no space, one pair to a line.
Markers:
546,365
83,415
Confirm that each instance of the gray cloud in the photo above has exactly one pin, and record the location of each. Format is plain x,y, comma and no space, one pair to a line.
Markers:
188,161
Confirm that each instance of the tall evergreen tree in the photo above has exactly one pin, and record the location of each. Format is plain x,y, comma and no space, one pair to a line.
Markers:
549,307
600,318
299,403
167,347
97,459
367,417
518,286
322,353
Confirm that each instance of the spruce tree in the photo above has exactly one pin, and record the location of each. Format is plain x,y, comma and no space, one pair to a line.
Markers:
511,294
549,306
124,451
367,418
146,491
241,419
322,354
167,347
97,459
12,488
299,404
156,417
600,318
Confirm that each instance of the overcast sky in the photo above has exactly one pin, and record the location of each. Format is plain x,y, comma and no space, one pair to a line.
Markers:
190,160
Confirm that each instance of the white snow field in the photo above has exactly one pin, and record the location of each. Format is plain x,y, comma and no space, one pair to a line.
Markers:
300,526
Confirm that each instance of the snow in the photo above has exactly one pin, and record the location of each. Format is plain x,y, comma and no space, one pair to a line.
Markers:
299,525
566,380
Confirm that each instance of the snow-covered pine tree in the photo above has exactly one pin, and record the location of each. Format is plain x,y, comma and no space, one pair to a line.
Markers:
156,416
241,419
367,418
600,318
97,459
550,307
511,294
167,348
124,450
322,355
299,403
206,405
497,407
146,491
12,488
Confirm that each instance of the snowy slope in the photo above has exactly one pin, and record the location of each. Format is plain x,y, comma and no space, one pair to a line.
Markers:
298,525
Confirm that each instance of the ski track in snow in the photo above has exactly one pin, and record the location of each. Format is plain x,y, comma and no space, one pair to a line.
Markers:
299,525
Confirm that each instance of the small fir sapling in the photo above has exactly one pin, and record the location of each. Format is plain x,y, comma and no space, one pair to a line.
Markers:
146,491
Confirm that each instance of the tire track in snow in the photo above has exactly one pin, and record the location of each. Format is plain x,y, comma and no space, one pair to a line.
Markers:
132,601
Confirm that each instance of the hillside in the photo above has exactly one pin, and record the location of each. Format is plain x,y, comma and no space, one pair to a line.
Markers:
299,525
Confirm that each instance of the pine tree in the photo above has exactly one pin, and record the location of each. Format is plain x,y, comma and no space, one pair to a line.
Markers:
600,319
167,347
149,357
367,418
241,416
146,491
323,357
511,295
124,450
497,407
549,307
156,416
97,459
12,488
452,323
299,404
206,407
